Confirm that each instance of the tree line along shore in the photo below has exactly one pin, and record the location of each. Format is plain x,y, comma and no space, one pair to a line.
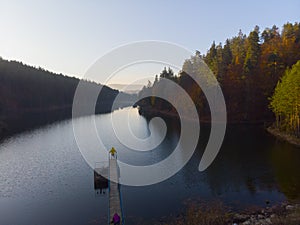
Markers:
31,96
259,75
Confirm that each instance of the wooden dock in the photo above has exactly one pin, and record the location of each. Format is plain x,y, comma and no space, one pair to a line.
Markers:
114,191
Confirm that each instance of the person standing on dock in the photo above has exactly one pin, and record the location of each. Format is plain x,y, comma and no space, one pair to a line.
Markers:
113,152
116,219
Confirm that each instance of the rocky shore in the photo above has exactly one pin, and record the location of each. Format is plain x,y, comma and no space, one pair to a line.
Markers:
283,136
279,214
217,214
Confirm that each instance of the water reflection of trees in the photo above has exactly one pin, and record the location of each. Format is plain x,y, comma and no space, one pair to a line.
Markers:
286,161
248,161
242,163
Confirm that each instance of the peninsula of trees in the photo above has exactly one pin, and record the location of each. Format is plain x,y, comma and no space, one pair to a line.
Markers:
248,69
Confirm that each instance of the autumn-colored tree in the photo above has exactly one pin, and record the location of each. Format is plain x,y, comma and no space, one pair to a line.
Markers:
285,102
247,67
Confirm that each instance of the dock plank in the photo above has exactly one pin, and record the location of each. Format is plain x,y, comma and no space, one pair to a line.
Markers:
114,194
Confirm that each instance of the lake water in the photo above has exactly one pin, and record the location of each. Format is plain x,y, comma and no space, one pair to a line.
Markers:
45,180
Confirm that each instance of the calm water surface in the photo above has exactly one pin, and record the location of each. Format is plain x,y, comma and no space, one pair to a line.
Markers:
45,180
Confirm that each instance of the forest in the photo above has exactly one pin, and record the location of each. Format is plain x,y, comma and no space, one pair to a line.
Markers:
258,74
32,96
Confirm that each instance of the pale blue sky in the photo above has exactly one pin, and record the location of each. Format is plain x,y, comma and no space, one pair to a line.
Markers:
68,36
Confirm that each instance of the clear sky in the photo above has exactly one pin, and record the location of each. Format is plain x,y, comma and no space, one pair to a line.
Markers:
69,36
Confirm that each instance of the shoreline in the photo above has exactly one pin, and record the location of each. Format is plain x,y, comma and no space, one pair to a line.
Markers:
150,113
284,136
3,128
284,212
14,121
218,214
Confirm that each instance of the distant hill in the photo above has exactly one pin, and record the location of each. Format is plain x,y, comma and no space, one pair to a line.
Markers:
128,88
32,96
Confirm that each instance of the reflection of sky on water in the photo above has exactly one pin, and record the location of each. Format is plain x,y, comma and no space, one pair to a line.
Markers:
45,179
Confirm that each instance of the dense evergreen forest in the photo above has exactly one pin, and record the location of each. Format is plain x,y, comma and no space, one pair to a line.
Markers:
32,96
247,67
